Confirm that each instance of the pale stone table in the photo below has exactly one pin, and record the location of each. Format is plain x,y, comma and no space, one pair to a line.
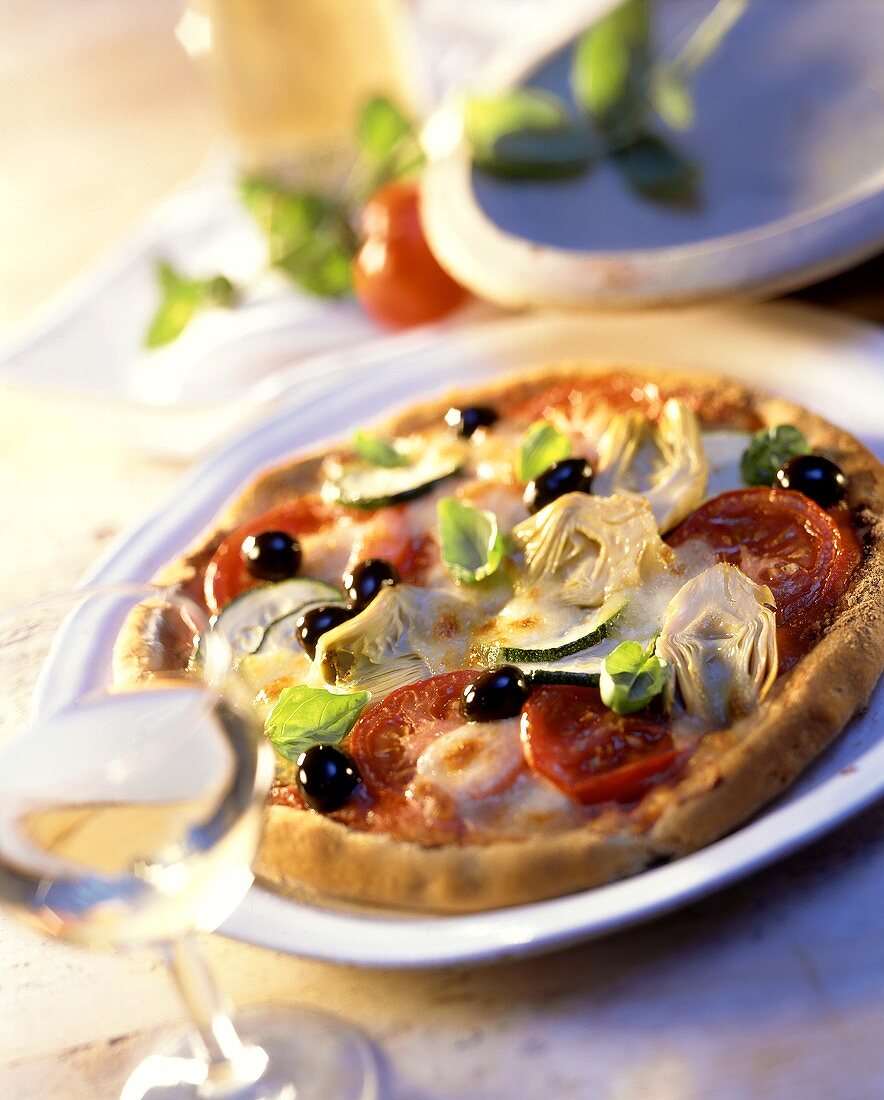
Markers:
774,989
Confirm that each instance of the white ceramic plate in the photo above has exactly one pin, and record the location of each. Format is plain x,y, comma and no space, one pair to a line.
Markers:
789,137
831,365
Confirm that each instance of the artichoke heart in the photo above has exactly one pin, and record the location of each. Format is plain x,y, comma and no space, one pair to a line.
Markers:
719,636
664,462
404,635
592,547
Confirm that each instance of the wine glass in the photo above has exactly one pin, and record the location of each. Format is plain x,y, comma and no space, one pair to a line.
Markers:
133,775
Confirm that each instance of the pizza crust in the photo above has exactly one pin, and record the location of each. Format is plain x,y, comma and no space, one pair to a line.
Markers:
730,777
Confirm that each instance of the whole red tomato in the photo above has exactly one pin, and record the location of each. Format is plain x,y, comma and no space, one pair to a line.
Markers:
395,275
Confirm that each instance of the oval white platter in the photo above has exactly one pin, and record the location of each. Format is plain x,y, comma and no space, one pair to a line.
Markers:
788,135
832,365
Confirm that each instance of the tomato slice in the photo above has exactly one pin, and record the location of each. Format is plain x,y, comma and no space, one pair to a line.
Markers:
391,534
387,741
781,539
592,754
226,574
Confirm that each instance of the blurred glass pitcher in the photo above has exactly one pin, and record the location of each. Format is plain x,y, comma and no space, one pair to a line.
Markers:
291,76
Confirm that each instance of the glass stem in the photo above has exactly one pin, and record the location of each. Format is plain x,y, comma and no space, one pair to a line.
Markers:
210,1011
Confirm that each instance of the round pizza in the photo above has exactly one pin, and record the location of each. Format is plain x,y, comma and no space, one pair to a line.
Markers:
532,638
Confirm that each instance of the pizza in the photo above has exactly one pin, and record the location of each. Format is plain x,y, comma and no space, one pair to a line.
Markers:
528,639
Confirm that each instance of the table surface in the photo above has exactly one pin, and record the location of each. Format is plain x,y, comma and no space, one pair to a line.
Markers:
771,990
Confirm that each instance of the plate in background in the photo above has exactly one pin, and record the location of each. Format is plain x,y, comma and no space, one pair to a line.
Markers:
829,364
789,134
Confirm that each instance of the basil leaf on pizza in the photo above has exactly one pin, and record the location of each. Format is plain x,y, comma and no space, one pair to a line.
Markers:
377,451
306,716
472,545
768,450
541,446
631,677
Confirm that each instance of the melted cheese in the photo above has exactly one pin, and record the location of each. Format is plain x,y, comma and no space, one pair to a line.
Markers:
472,761
724,449
479,769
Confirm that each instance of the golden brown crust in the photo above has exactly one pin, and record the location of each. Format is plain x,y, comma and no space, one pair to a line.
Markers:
731,776
306,849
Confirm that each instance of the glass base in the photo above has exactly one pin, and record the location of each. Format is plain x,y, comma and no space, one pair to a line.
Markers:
287,1053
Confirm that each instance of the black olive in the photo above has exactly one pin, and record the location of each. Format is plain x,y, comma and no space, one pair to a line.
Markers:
272,555
365,580
816,477
497,693
310,626
572,475
466,422
326,777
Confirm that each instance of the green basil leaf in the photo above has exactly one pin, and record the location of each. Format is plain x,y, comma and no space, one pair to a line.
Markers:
631,677
487,117
307,716
377,451
309,237
181,299
286,217
381,127
472,545
768,450
672,100
658,171
541,446
389,148
321,266
610,58
539,154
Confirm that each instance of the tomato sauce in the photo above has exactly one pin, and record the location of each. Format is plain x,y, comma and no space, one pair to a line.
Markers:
579,397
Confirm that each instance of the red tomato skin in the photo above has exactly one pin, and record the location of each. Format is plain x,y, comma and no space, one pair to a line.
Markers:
591,754
387,740
396,277
226,574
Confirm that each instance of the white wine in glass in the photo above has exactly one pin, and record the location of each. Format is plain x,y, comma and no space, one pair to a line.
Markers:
131,806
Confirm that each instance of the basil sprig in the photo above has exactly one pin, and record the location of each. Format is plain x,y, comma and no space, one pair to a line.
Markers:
610,62
377,451
526,133
541,446
618,88
768,450
310,235
472,546
389,147
631,676
181,298
307,716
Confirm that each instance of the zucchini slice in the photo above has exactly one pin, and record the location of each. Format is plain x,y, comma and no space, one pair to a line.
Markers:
358,484
581,670
248,618
535,633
